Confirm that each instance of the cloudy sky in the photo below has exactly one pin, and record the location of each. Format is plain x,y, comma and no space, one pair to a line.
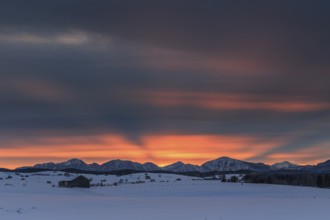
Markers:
163,81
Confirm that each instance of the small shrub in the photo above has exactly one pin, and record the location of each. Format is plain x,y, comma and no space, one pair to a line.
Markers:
233,179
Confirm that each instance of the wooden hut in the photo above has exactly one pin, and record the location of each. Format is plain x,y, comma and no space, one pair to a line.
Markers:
80,181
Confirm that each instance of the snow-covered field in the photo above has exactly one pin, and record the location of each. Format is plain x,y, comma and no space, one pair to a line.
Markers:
166,197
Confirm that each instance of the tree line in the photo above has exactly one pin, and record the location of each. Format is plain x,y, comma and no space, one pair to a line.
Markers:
297,179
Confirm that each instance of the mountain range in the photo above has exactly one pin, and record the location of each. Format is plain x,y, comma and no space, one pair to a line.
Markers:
220,164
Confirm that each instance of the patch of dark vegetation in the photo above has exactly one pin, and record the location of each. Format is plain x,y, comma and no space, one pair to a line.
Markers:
29,170
321,180
213,173
5,170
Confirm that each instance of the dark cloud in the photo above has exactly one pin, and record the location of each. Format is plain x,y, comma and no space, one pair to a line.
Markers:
85,68
224,27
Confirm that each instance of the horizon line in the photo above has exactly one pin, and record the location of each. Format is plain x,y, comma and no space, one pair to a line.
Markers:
161,166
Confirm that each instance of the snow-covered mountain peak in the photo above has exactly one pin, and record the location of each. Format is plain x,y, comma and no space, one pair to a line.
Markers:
225,164
230,164
178,163
284,165
182,167
150,166
74,161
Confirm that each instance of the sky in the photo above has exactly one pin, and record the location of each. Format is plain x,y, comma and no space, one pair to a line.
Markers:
163,81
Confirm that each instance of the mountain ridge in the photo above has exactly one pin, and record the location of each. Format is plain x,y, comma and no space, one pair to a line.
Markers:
219,164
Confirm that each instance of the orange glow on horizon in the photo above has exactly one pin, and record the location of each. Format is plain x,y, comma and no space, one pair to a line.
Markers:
159,149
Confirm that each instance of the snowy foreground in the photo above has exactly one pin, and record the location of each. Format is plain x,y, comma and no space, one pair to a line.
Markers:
167,197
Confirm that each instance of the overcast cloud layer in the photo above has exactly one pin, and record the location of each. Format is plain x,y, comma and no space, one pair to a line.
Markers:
139,68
